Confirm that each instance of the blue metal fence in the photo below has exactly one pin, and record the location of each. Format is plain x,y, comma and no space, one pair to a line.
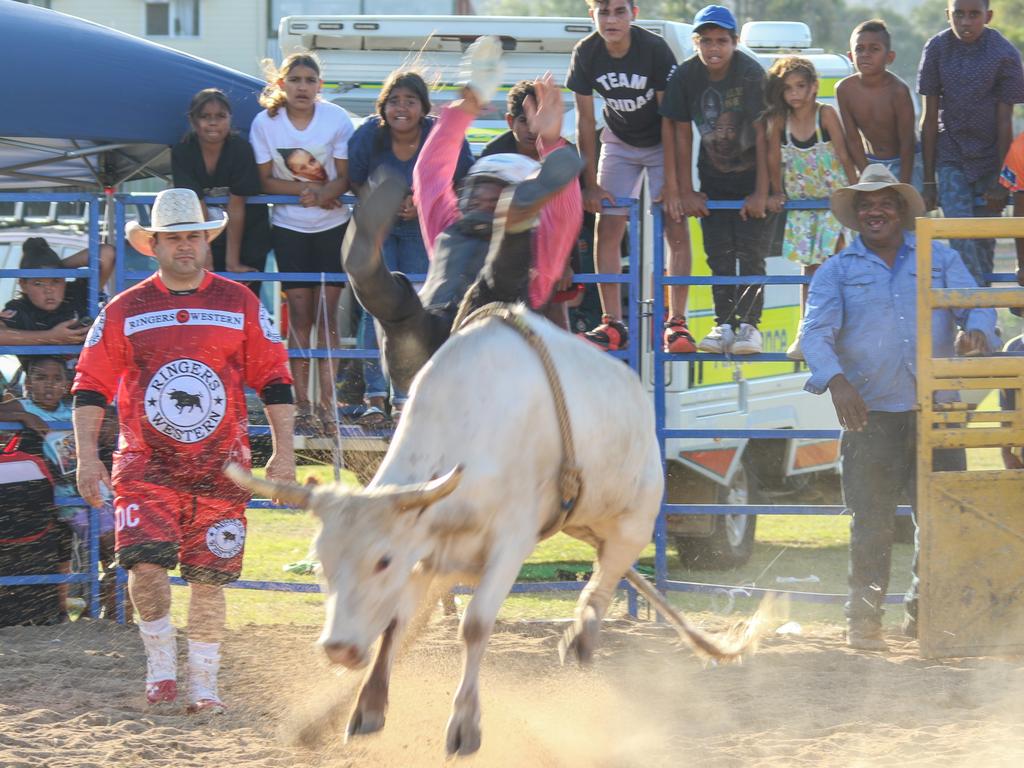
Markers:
632,283
121,203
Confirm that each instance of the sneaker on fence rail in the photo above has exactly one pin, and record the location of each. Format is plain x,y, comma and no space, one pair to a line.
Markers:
678,339
610,335
718,341
748,340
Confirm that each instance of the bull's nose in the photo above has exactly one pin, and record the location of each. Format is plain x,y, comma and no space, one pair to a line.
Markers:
345,654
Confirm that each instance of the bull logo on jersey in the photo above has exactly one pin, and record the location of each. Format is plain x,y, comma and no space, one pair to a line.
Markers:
185,400
226,538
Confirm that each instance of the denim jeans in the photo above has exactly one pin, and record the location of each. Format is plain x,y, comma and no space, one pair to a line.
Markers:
895,166
879,473
957,200
402,251
730,242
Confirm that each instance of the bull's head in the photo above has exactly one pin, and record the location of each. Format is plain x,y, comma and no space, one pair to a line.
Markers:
368,545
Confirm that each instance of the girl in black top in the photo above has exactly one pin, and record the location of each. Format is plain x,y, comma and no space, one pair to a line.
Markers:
214,161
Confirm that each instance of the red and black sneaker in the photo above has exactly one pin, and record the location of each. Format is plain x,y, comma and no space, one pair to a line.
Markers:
610,335
678,339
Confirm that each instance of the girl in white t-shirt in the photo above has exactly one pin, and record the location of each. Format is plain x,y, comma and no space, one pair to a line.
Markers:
301,148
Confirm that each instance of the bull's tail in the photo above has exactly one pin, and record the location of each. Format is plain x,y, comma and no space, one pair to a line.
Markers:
733,648
289,493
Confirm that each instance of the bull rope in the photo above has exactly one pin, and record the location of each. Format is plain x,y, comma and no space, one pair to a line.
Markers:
570,478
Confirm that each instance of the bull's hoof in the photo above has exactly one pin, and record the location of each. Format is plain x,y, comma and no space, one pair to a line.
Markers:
363,722
462,736
580,638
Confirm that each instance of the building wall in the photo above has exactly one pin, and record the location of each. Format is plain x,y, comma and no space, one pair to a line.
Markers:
231,32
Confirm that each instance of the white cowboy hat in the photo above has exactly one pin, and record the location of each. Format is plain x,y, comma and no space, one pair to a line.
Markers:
174,210
873,178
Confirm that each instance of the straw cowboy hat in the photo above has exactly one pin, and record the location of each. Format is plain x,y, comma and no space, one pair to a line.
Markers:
875,177
174,210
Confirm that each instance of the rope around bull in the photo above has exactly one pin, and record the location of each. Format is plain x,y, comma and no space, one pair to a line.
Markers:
570,478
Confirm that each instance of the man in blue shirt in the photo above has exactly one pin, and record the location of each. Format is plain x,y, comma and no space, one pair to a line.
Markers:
860,341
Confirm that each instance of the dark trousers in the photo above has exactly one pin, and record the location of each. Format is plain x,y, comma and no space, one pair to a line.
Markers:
736,247
410,332
879,473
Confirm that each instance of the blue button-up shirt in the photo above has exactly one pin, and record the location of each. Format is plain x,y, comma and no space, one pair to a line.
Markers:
861,321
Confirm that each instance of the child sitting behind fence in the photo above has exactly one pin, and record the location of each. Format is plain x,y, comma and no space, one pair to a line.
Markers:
47,380
807,160
50,310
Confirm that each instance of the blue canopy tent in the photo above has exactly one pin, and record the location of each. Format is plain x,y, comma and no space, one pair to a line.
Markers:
88,106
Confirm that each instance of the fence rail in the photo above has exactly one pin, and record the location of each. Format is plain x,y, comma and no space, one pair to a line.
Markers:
632,282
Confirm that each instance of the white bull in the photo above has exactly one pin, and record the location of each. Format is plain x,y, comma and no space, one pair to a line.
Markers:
482,422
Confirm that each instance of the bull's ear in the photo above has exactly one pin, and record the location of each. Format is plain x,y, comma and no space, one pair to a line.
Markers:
423,495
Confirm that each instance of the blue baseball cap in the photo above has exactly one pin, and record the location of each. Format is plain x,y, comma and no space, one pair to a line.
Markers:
718,15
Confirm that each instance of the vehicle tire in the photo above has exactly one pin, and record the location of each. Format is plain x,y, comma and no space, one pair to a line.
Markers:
731,542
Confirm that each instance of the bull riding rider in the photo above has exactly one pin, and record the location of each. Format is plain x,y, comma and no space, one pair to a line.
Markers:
506,237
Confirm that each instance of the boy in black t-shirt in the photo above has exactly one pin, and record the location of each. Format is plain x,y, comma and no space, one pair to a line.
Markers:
721,90
629,67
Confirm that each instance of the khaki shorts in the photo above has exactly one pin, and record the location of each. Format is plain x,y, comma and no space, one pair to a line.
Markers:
621,168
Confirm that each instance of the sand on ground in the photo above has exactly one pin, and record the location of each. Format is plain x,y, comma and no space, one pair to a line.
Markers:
71,696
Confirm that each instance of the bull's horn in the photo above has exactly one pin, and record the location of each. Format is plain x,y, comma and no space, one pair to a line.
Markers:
425,494
290,493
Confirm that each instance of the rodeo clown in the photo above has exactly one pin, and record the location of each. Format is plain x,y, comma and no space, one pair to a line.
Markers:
177,350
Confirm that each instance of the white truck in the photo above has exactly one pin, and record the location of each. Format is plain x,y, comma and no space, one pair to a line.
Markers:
359,52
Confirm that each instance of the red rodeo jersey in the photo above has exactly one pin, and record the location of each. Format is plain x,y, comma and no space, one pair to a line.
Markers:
178,364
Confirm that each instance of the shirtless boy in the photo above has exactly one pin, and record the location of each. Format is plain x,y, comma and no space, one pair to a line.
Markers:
877,109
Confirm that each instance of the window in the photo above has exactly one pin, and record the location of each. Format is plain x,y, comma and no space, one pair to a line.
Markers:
172,18
39,3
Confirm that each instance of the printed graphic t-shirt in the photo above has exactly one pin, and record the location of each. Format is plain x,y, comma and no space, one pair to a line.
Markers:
179,364
306,155
627,85
58,448
724,112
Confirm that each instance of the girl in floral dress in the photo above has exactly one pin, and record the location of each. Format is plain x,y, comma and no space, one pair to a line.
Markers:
807,160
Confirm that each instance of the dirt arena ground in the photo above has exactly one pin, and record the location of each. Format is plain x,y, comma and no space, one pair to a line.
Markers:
70,697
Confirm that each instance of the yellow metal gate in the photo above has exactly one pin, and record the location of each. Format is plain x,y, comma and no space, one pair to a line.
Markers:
971,523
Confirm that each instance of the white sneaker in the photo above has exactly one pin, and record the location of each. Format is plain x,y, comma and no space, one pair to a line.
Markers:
719,340
794,352
748,340
480,67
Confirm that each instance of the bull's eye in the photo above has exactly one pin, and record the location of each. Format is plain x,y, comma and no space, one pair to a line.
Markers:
382,564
